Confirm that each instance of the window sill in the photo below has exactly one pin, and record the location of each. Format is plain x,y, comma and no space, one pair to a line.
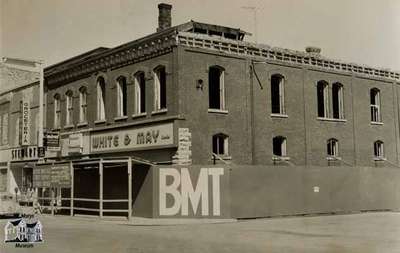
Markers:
280,158
120,118
223,157
333,158
143,114
100,121
69,126
82,124
331,119
379,159
376,123
218,111
278,115
161,111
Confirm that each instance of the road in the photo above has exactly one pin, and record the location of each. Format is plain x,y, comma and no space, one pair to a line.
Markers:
364,233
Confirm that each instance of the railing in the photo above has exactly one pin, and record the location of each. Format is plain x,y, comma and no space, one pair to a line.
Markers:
54,208
279,54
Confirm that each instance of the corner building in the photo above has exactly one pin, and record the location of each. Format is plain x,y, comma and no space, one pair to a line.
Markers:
256,130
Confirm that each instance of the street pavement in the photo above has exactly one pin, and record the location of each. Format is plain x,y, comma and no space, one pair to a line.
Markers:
364,233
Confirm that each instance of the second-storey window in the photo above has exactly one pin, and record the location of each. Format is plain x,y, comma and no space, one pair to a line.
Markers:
140,93
82,104
277,94
337,101
69,108
122,96
57,111
160,88
216,90
375,105
322,99
101,98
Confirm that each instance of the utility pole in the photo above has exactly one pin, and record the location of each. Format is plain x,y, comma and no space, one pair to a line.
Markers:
254,10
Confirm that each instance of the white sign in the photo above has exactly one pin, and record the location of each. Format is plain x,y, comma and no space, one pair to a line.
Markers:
26,124
75,144
182,191
134,138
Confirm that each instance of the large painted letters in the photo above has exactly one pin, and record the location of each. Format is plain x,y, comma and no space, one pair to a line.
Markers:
182,191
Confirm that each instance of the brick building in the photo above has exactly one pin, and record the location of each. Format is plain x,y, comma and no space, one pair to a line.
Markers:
18,142
295,131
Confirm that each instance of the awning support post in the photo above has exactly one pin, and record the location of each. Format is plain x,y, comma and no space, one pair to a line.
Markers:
72,190
129,188
101,189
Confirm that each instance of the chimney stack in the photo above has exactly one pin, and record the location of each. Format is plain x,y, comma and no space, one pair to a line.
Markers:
164,16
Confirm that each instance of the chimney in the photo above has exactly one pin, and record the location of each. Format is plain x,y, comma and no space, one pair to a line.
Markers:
164,16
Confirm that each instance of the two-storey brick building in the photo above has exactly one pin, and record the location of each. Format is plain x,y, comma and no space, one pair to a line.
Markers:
296,132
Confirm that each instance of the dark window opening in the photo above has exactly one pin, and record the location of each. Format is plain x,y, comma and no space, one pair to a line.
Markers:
211,32
375,105
215,88
277,94
378,149
142,93
337,101
332,147
279,146
321,97
122,96
230,36
220,144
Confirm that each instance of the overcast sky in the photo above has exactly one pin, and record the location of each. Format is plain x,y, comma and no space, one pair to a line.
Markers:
360,31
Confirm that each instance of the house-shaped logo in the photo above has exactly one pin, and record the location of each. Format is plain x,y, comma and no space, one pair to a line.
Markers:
23,231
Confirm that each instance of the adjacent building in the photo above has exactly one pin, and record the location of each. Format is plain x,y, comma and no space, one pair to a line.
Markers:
19,89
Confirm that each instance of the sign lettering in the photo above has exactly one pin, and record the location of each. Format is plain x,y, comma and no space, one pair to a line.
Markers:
183,191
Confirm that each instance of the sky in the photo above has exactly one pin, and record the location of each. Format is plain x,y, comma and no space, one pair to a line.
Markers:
355,31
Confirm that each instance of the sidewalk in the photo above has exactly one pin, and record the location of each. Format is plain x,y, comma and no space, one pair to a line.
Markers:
138,221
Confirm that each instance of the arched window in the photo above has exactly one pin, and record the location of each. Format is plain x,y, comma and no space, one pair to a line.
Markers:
82,104
279,146
332,148
57,111
101,98
378,149
277,94
220,144
375,105
322,99
216,90
140,93
160,88
337,101
69,108
121,96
